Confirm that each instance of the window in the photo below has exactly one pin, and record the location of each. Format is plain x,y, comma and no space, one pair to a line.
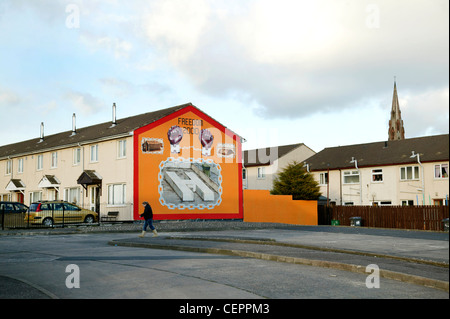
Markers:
244,173
351,177
5,197
40,162
122,149
348,203
20,165
54,160
441,171
116,194
261,172
377,175
8,167
407,202
35,196
409,173
77,156
94,153
70,207
382,203
72,195
323,178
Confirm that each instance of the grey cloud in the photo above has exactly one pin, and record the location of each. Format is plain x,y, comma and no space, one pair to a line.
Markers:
410,44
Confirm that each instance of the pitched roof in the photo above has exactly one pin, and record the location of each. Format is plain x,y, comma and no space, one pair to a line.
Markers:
282,150
88,134
431,149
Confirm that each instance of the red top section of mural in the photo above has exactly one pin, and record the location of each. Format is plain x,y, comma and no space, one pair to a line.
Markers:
188,166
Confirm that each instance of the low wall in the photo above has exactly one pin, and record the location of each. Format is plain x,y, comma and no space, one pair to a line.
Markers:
260,206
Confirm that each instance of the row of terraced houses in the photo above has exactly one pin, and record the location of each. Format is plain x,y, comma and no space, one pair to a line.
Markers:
191,166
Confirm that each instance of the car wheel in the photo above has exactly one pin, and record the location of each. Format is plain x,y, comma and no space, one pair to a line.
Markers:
47,222
89,219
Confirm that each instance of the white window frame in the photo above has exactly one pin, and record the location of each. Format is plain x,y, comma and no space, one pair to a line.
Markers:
8,169
261,172
442,171
40,162
377,172
117,194
323,178
382,203
349,203
35,196
54,160
76,156
350,174
414,171
5,197
94,153
407,202
20,166
121,149
72,195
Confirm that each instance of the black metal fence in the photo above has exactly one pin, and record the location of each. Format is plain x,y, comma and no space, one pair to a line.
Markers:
64,214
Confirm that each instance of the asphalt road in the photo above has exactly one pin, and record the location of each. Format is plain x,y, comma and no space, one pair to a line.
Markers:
37,266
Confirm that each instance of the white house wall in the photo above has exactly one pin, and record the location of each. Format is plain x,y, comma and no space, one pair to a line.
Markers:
252,181
391,189
112,169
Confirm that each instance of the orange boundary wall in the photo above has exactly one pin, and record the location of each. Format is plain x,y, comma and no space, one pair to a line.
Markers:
260,206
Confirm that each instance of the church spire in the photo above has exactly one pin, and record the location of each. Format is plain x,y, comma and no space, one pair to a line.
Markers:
396,129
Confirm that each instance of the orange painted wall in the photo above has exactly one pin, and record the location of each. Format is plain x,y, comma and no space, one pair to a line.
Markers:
260,206
150,165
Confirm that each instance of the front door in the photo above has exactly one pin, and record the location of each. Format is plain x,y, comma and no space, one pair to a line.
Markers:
94,199
20,198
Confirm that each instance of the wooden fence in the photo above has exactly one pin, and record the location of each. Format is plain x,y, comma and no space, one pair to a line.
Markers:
404,217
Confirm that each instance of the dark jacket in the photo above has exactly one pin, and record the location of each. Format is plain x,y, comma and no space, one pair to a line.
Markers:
148,213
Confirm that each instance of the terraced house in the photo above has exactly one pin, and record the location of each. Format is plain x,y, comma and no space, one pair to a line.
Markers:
395,172
180,160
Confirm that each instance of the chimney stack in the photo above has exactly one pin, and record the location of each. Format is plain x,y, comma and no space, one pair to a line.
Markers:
114,115
42,132
74,125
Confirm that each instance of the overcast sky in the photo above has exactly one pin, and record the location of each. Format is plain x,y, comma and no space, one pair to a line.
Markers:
275,72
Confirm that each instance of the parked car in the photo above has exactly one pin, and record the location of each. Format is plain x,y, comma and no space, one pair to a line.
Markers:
49,213
12,207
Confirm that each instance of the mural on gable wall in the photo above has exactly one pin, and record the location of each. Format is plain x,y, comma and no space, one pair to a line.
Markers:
188,167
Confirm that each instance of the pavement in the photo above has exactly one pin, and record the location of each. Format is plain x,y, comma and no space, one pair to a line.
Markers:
419,257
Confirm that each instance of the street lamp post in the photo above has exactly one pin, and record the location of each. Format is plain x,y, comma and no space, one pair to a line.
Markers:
413,155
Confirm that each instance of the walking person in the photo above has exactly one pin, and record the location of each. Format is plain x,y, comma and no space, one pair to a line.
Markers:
148,220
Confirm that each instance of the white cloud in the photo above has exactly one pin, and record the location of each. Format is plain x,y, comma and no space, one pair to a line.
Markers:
84,102
118,47
48,107
288,31
8,98
175,26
